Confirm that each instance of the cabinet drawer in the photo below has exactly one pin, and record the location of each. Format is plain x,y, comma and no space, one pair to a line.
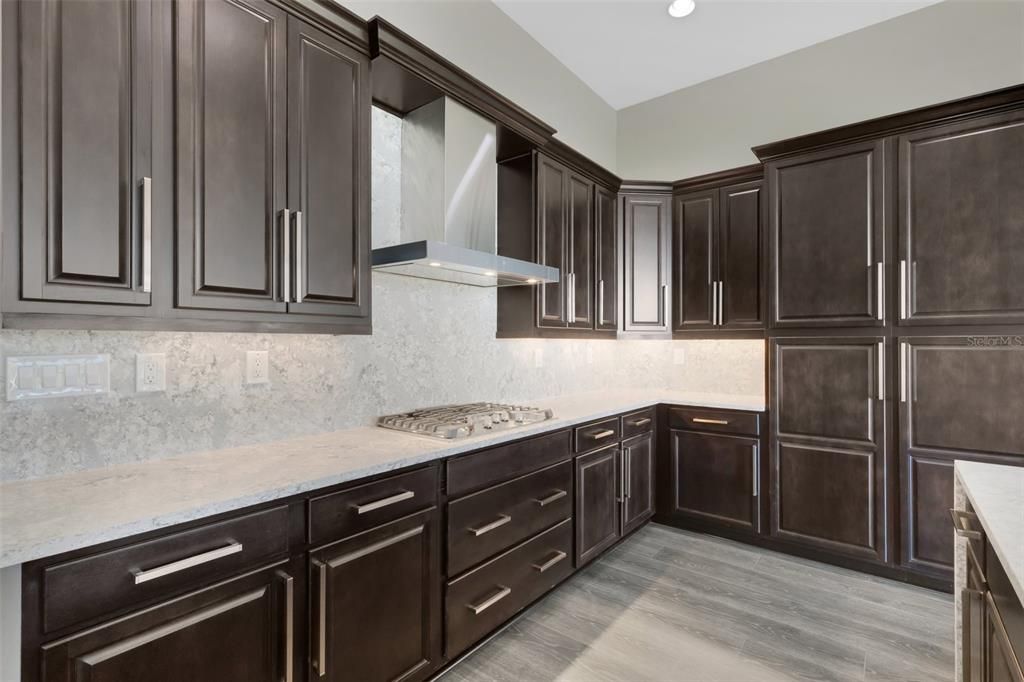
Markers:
635,423
596,435
484,598
700,419
494,519
495,465
350,511
82,589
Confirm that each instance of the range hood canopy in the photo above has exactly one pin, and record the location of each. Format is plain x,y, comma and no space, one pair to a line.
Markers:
449,228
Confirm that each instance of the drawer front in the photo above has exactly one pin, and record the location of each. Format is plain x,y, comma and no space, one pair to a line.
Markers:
354,510
495,465
596,435
721,421
483,599
494,519
635,423
83,589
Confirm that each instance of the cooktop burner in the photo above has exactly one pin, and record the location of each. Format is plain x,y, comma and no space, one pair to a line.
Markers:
462,421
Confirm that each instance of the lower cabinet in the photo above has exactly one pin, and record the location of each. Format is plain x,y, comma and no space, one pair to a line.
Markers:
638,481
376,603
238,629
597,502
715,478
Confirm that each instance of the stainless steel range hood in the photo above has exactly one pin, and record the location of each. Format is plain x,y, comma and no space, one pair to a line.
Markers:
449,227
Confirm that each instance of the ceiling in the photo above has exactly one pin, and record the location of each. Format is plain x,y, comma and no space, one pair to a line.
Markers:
629,51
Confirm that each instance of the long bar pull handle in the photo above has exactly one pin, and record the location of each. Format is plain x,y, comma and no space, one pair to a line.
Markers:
301,258
600,301
904,357
627,473
663,302
147,234
881,370
559,555
493,525
721,303
753,471
702,420
880,291
502,592
553,497
714,303
601,435
189,562
622,476
640,422
903,289
286,256
999,630
960,520
289,626
384,502
320,664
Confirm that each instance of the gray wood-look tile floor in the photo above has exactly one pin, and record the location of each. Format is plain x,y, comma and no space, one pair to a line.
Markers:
669,605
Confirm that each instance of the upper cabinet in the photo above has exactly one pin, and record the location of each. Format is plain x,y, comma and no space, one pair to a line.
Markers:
827,237
647,262
187,165
606,275
78,109
961,222
717,271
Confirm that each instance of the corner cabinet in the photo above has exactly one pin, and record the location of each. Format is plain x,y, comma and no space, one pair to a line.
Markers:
717,271
186,165
647,264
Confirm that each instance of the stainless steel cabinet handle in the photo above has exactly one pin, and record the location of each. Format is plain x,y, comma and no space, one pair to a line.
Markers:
904,356
384,502
320,664
622,476
640,422
753,464
600,301
286,256
627,473
664,302
702,420
502,592
721,303
498,523
999,630
300,259
880,292
289,626
600,435
881,370
714,303
181,565
553,497
903,289
147,234
550,562
960,517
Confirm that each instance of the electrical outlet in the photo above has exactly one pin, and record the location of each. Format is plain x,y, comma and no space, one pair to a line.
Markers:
538,357
678,356
150,372
257,367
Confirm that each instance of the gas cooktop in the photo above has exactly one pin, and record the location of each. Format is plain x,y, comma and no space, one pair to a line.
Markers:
462,421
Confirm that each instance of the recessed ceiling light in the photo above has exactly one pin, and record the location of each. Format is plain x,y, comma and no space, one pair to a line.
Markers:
434,264
681,8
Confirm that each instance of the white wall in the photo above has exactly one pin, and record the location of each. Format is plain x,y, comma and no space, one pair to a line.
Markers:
942,52
483,40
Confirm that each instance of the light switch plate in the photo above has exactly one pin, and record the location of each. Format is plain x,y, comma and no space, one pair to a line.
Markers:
257,367
150,372
57,376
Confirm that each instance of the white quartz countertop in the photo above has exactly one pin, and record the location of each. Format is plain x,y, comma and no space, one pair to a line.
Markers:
997,495
47,516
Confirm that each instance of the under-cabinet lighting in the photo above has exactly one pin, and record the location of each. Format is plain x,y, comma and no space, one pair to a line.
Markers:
681,8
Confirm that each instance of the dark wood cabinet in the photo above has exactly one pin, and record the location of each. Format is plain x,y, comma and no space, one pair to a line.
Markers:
239,629
581,248
715,478
961,197
827,236
716,253
552,240
606,262
78,152
638,481
829,462
598,494
376,603
646,244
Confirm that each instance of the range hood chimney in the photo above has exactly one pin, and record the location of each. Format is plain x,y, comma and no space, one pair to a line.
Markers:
449,227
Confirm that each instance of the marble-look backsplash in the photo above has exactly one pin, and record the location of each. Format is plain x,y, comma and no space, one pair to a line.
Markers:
433,343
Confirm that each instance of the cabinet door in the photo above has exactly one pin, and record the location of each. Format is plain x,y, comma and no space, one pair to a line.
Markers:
826,216
230,89
960,397
598,495
606,276
581,249
85,74
694,217
328,173
715,478
961,200
829,458
241,629
1001,660
638,481
389,626
552,240
646,239
739,257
